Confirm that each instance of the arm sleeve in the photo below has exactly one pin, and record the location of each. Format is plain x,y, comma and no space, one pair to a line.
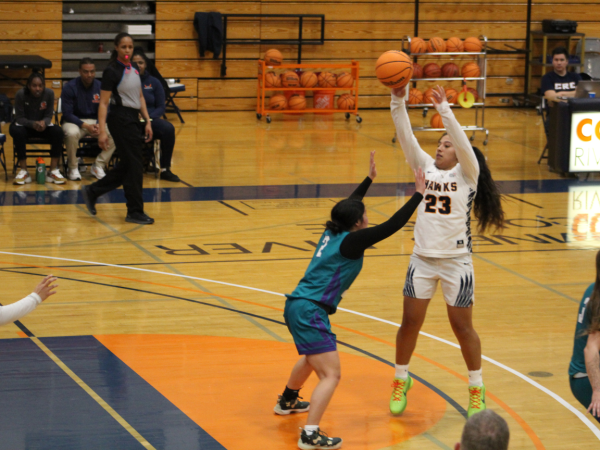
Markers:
49,94
362,189
464,151
68,98
357,242
15,311
159,100
20,118
414,154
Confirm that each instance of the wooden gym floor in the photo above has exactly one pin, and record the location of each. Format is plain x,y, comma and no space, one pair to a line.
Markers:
171,336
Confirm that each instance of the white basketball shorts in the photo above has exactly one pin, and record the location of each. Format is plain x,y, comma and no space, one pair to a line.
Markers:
456,276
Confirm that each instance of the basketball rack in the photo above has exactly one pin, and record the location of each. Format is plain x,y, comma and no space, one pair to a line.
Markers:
481,88
262,109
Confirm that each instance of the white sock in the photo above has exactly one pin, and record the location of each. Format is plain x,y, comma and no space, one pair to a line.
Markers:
164,169
310,429
402,371
475,378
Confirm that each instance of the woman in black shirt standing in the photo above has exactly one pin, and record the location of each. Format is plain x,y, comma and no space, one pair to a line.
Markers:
121,86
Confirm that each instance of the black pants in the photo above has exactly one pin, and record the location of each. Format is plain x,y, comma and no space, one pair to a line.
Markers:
124,127
165,131
52,133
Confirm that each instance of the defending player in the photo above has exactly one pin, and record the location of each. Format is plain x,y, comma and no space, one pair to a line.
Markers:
457,180
584,370
336,263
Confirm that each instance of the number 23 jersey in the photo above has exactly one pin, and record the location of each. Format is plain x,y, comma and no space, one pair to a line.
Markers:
443,228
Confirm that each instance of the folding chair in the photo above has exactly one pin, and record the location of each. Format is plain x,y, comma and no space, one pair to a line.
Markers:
174,89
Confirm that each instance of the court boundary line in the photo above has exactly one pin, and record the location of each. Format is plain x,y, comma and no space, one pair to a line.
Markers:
534,383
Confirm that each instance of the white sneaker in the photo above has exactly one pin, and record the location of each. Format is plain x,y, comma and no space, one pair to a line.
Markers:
98,171
82,166
22,177
55,177
74,175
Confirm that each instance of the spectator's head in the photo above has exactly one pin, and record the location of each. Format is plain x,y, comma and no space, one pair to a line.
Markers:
560,59
140,58
35,84
87,71
485,430
123,48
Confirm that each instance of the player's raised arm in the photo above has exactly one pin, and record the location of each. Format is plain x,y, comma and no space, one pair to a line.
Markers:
362,189
17,310
464,151
413,152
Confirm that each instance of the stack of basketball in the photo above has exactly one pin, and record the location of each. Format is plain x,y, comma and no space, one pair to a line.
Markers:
296,100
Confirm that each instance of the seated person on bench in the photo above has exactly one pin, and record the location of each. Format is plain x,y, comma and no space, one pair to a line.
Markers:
154,95
80,100
559,84
34,107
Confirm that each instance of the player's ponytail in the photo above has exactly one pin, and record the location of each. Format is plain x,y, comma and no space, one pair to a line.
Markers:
594,303
344,215
488,201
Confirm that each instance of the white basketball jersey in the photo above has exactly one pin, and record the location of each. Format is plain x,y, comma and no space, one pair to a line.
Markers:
443,228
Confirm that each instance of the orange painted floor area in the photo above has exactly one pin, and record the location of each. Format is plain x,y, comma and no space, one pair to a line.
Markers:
229,387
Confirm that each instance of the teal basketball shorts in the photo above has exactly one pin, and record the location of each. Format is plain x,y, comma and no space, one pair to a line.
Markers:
310,327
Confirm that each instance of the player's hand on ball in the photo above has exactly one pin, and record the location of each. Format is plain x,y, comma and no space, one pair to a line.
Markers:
399,92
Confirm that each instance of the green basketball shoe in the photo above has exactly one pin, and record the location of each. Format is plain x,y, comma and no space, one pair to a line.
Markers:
476,400
398,400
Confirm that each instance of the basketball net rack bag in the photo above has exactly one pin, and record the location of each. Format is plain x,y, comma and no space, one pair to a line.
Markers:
480,81
264,92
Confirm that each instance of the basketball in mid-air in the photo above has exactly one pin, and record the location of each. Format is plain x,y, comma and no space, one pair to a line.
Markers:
394,69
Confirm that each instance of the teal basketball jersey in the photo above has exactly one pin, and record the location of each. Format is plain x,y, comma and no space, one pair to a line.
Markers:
583,322
329,274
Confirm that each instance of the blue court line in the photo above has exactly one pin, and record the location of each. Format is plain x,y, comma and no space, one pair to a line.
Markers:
43,408
270,192
148,411
438,391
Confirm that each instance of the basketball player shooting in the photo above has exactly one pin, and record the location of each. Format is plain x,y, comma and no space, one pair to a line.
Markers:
457,179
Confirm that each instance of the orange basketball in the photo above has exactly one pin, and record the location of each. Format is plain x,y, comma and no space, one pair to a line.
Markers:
345,80
415,97
394,69
297,102
436,121
272,80
278,102
436,45
273,57
474,92
451,95
428,96
290,79
418,45
455,44
473,44
345,101
470,69
450,70
326,79
432,70
308,79
417,71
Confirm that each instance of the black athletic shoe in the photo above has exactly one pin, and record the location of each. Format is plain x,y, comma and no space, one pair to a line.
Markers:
169,176
89,199
139,218
318,440
285,407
